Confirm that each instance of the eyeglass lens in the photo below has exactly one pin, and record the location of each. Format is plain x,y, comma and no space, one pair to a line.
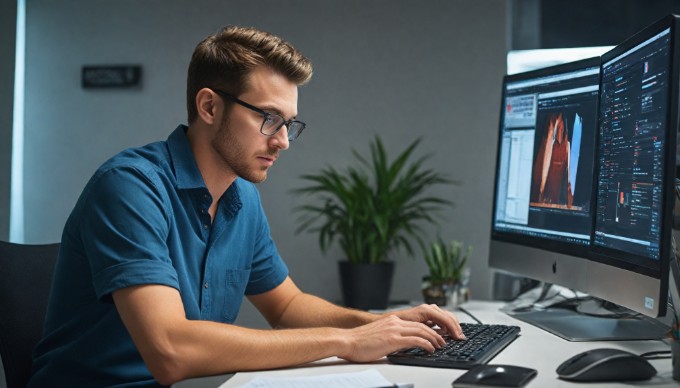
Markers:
273,122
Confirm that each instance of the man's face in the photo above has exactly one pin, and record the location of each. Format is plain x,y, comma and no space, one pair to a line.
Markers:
244,150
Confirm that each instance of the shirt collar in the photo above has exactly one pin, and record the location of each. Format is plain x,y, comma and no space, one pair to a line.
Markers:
186,170
188,175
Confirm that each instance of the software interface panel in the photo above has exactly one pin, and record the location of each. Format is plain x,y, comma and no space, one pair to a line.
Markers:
634,115
546,160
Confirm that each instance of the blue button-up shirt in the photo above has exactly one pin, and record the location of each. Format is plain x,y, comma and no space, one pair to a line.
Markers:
143,219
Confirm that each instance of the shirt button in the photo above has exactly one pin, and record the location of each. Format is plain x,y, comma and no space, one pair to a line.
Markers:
205,285
205,226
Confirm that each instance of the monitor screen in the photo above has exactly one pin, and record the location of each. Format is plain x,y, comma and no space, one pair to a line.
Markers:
546,156
634,119
636,159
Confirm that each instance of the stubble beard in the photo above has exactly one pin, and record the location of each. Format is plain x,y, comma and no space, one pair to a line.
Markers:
234,156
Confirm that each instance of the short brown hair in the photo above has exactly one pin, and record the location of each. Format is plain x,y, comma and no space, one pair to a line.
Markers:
224,60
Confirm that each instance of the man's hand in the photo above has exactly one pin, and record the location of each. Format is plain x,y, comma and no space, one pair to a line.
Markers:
387,335
431,314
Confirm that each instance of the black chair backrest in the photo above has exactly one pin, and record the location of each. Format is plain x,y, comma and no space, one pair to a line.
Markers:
25,280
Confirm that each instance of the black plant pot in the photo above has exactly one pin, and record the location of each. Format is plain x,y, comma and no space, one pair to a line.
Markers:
366,286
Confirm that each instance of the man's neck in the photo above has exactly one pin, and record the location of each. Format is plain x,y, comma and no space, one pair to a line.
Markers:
217,179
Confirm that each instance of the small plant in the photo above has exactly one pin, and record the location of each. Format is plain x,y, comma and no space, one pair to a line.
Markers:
446,262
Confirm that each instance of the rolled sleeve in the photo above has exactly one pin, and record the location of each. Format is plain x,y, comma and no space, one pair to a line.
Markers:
124,232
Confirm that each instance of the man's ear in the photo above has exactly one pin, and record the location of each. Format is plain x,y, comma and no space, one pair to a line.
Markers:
206,101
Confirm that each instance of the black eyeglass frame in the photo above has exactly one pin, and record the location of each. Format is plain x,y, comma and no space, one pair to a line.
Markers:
296,125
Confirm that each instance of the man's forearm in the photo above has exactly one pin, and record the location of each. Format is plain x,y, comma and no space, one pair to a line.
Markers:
307,310
210,348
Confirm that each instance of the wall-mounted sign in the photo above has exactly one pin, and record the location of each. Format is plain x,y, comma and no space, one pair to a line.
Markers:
111,76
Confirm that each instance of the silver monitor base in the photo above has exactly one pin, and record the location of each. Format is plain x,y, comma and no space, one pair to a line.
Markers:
574,326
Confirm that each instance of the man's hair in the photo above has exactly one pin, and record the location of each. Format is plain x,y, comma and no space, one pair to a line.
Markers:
224,60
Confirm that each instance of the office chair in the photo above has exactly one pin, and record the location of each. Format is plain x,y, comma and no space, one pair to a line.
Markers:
25,280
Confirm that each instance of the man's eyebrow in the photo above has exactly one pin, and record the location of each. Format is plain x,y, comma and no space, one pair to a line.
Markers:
273,109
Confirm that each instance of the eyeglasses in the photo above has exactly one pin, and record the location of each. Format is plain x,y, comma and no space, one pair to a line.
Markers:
272,122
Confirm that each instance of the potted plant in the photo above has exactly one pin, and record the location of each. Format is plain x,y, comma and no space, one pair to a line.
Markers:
370,211
446,263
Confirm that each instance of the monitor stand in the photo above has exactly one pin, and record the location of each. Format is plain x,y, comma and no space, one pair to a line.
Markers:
584,319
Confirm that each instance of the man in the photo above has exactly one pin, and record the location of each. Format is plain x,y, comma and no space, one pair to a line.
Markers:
166,239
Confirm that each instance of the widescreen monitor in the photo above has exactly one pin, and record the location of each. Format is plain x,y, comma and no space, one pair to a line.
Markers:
636,170
544,177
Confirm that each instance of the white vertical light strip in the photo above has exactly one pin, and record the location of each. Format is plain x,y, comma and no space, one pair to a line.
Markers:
16,200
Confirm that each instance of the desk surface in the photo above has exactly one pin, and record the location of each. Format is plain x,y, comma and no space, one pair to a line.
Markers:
534,348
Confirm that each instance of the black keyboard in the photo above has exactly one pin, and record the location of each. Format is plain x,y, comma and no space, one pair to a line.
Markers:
482,344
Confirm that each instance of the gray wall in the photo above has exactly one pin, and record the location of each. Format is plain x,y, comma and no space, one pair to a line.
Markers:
397,68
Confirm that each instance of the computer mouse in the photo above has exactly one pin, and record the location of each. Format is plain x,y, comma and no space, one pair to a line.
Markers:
496,375
605,364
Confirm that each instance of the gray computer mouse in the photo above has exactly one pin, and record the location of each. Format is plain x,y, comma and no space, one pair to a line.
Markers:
605,364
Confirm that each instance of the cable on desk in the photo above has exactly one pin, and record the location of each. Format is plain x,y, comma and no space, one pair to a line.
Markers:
469,314
657,355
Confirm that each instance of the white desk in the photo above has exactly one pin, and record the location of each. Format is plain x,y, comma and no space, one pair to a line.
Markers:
534,348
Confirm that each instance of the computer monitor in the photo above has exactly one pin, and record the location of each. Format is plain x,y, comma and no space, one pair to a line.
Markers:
625,258
636,170
542,217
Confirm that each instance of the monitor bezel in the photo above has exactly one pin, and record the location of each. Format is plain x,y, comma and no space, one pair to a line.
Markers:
552,245
618,258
